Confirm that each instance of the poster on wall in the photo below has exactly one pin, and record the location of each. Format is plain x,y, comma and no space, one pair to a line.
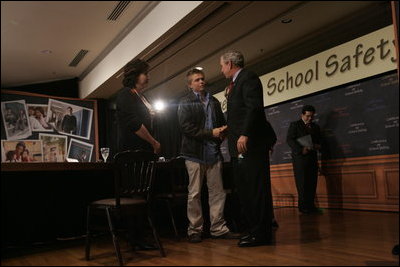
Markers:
15,119
69,119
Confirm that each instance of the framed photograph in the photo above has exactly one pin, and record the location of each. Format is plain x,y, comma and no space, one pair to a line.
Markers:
15,119
54,147
79,150
21,151
70,119
38,118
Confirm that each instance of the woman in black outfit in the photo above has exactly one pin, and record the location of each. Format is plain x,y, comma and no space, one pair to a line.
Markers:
135,121
134,113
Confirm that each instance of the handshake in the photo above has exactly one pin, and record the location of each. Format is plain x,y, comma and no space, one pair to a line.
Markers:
220,132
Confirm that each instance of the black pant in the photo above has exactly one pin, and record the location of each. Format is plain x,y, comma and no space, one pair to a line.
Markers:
253,185
305,169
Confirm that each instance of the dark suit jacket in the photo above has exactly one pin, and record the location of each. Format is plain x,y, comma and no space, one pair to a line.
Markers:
246,114
131,114
298,129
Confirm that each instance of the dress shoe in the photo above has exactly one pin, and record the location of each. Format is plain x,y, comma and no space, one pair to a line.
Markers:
316,210
194,238
246,236
252,241
227,235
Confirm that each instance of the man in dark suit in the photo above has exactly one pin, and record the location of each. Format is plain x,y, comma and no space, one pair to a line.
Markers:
249,141
305,158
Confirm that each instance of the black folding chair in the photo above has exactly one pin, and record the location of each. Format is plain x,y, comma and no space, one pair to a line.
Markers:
177,191
134,173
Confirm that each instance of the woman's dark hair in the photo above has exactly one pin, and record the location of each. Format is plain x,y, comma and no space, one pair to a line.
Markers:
132,70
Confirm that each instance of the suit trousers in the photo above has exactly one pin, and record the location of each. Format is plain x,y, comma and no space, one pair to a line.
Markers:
305,169
216,197
253,185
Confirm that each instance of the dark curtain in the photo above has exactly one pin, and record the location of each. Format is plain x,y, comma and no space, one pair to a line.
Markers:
167,131
165,128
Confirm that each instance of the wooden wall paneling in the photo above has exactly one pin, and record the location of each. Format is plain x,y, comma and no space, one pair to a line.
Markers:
366,183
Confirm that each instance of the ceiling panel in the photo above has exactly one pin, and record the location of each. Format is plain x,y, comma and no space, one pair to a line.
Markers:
254,27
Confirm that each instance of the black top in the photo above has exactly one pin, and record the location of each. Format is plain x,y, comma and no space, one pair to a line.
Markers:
246,114
131,114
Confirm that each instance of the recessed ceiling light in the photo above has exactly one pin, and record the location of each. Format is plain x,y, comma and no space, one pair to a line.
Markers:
286,21
46,51
199,68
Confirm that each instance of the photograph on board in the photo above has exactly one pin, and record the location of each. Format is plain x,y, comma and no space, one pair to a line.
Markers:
70,119
15,119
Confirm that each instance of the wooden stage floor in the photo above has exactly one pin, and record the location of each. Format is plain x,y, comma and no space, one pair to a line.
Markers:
334,238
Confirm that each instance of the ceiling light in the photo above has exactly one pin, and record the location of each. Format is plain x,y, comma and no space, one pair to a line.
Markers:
198,68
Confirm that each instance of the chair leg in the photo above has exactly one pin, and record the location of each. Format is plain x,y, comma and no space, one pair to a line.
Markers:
172,219
114,237
88,235
155,234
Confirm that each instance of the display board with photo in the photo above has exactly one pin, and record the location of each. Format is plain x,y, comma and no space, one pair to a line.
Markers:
21,151
69,119
58,122
38,118
79,150
15,119
54,147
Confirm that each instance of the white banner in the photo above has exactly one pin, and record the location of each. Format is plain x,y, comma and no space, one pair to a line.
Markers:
363,57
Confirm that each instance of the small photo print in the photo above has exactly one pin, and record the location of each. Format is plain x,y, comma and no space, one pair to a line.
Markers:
54,147
15,119
38,118
70,119
79,150
21,151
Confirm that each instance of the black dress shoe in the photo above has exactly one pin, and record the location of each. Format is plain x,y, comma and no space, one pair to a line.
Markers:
246,236
252,241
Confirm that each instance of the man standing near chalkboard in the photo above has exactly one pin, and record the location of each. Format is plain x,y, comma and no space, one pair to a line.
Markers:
304,138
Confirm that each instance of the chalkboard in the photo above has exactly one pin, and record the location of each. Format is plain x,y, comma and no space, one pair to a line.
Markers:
50,129
356,120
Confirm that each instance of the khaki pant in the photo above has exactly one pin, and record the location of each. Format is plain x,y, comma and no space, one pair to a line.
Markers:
216,197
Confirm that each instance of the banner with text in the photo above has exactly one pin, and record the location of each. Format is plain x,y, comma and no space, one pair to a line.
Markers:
363,57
